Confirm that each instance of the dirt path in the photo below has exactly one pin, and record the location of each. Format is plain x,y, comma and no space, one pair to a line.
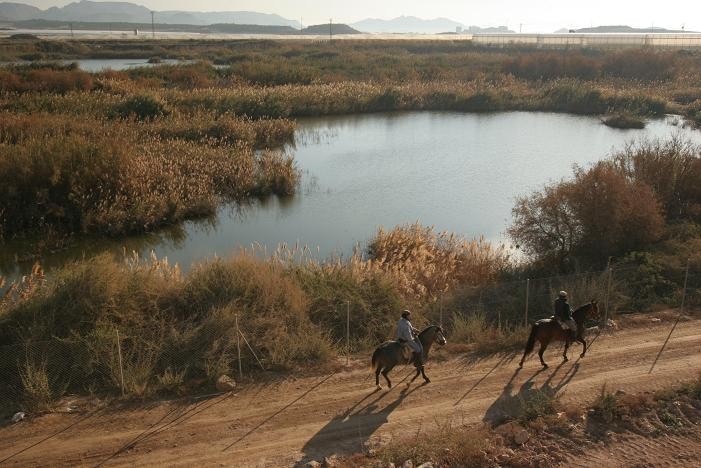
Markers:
297,420
637,451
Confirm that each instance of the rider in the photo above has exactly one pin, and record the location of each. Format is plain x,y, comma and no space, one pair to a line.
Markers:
563,313
406,333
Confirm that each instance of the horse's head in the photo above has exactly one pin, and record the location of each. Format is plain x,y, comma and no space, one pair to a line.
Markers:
440,336
590,310
433,334
594,310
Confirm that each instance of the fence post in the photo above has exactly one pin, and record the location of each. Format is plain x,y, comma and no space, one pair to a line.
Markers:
676,322
238,346
686,281
440,312
347,333
528,287
121,366
608,294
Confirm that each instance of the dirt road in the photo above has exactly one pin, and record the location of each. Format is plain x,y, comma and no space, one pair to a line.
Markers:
294,421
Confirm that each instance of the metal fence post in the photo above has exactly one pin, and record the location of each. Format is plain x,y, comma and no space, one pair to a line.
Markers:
528,286
608,296
238,346
347,333
121,367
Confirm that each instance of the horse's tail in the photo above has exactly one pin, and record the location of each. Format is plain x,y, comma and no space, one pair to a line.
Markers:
375,359
531,340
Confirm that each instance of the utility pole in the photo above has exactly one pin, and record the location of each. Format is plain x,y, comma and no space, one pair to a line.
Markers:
153,25
520,27
71,29
330,29
301,25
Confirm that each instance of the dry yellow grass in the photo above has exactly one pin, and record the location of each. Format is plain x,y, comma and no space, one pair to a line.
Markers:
426,263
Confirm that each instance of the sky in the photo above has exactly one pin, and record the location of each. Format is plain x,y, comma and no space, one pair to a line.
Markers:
527,15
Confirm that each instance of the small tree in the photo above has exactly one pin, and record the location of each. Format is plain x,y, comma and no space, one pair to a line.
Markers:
600,213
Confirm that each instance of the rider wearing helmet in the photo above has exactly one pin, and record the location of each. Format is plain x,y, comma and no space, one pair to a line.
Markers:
406,333
563,313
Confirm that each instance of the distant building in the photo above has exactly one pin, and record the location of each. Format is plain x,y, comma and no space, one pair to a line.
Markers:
458,29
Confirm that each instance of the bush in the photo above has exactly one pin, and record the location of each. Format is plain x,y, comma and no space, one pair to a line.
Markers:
671,168
538,66
623,120
141,107
606,406
640,64
575,97
600,213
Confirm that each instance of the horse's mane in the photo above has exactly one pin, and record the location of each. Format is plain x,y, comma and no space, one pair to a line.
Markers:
428,328
583,308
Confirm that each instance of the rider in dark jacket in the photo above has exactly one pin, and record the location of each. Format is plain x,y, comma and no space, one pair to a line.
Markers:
563,312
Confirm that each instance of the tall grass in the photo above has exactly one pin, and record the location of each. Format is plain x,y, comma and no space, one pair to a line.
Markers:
427,263
169,325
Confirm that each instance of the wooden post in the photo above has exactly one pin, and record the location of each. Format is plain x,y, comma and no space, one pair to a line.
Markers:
686,281
238,346
608,295
528,286
347,333
121,366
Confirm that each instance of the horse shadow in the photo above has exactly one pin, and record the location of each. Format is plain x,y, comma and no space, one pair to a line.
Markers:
510,405
348,432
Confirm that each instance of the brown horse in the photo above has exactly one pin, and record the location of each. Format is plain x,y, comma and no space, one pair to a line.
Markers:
547,330
389,354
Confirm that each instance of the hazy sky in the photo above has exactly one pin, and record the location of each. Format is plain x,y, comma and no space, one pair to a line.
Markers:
533,15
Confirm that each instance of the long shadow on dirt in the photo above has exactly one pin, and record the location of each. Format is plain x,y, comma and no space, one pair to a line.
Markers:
509,405
349,431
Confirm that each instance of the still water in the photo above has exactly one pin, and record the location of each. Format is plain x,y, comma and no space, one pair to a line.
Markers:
457,172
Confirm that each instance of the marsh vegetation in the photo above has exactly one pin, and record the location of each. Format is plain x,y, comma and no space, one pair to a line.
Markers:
114,153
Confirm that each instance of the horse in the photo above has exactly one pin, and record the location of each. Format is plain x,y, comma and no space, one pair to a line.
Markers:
547,330
389,354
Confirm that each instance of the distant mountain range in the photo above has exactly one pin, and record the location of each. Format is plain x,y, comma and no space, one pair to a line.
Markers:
620,29
407,24
86,11
222,28
123,12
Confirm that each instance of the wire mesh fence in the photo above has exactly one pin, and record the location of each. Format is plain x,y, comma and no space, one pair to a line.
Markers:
114,361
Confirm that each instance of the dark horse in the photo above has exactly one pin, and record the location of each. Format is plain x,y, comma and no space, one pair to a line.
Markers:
548,330
390,353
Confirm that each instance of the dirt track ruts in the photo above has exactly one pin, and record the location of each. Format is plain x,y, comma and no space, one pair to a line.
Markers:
295,420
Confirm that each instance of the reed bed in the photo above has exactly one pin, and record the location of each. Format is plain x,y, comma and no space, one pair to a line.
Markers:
117,177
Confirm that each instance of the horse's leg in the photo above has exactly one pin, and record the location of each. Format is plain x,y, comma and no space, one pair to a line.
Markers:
543,345
525,354
564,354
423,374
377,376
418,371
385,372
584,343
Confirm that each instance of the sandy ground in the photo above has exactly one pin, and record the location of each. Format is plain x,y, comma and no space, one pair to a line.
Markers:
293,421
